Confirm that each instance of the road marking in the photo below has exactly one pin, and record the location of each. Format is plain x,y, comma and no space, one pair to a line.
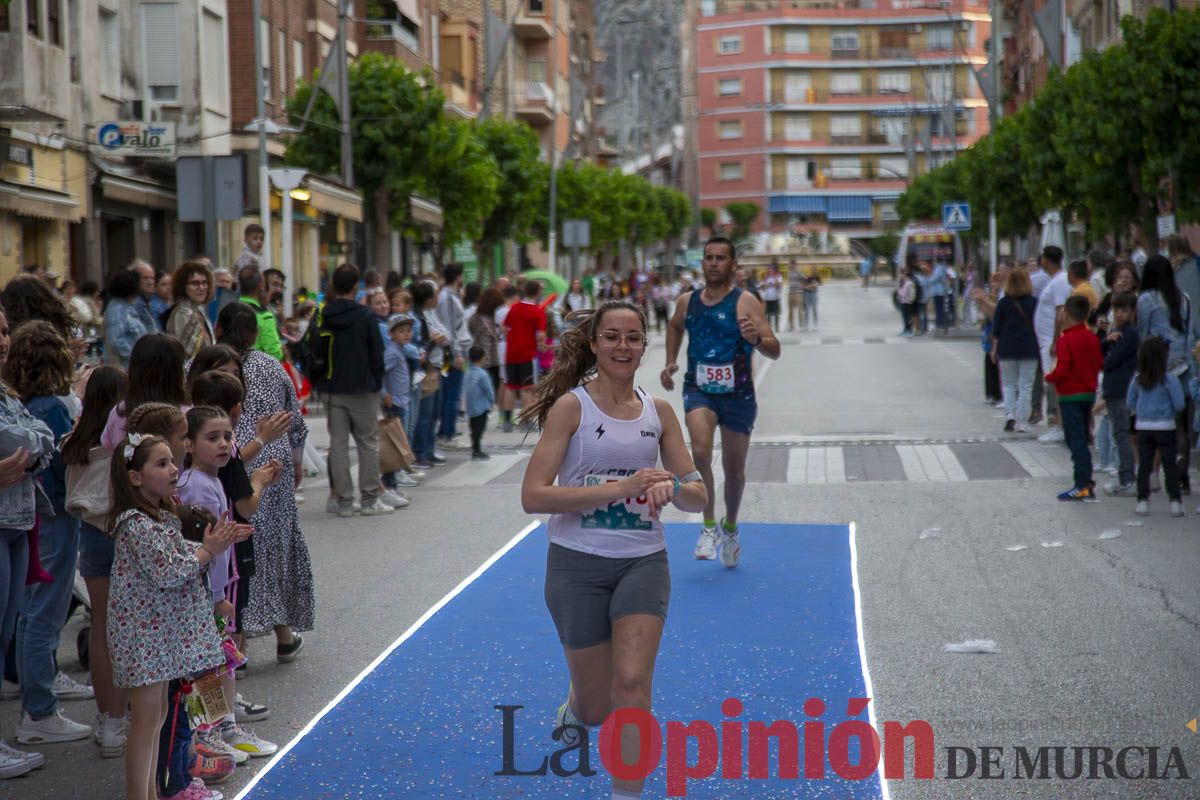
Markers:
885,794
929,463
853,340
950,463
835,465
1026,460
477,473
436,607
797,469
913,470
816,465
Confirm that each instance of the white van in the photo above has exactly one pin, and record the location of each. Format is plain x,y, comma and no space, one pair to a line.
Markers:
929,241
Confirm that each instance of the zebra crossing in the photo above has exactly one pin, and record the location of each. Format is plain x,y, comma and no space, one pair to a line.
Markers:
823,464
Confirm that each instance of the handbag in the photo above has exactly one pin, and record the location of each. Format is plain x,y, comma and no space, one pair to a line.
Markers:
89,489
395,453
431,382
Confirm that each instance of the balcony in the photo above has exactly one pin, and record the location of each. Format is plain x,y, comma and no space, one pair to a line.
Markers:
392,38
461,95
532,27
855,138
844,51
535,103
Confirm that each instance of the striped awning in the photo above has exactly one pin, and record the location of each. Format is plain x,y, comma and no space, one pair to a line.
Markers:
849,209
796,204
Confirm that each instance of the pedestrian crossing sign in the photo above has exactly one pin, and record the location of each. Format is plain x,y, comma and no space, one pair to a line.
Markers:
956,216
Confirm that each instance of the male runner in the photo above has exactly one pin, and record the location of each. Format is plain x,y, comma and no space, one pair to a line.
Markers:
725,325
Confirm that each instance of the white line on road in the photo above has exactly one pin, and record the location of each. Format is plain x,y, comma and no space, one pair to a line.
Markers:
797,468
950,463
816,465
913,470
1026,461
477,473
835,465
884,793
436,607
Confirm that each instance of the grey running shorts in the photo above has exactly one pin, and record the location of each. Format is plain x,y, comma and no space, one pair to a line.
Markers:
585,593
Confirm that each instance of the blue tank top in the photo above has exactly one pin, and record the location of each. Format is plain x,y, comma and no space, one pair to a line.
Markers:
718,355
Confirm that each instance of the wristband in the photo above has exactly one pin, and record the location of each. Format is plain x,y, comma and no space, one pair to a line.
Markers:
694,475
200,550
258,439
675,481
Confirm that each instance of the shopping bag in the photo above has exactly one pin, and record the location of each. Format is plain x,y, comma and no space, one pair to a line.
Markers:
394,450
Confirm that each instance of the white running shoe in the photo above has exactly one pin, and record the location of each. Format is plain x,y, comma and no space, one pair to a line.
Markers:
110,734
50,730
213,741
15,763
376,508
730,547
706,545
1176,508
393,499
1118,489
1051,436
563,732
1143,508
406,480
246,742
67,688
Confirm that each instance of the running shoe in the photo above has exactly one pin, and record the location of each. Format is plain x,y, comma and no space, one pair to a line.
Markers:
246,711
376,507
423,464
1010,425
110,734
196,790
212,769
730,547
1118,489
393,499
239,738
706,545
438,459
14,762
286,653
210,745
49,730
415,474
1085,493
563,720
480,456
1176,508
1052,436
1143,508
67,688
406,480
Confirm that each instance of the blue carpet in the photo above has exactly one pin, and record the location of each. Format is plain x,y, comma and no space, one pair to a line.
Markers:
777,630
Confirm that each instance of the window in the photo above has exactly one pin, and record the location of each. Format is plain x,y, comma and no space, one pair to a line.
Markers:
796,86
160,50
887,211
894,82
730,129
892,167
214,62
797,127
728,87
708,8
894,129
297,61
54,22
845,125
795,40
845,83
110,53
846,168
73,34
940,84
5,23
264,36
800,173
535,71
281,73
728,45
33,17
846,41
537,6
939,37
731,171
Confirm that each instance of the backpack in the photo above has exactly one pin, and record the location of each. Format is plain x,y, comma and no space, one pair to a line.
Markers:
314,352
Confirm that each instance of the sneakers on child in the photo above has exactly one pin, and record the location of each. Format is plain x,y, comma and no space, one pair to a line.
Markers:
706,545
196,790
1118,489
14,762
239,738
212,769
1176,508
110,734
67,688
1143,508
1084,493
50,730
245,711
210,745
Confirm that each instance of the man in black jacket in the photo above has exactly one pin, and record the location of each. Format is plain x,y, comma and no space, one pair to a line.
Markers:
356,358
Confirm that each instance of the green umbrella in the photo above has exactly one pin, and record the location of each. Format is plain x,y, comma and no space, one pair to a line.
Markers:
553,282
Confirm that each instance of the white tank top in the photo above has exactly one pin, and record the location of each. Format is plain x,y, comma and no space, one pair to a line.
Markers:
602,450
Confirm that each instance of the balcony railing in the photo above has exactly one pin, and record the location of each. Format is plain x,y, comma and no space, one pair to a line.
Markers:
392,29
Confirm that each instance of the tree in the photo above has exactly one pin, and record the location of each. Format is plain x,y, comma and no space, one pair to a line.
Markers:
394,115
743,216
524,181
708,218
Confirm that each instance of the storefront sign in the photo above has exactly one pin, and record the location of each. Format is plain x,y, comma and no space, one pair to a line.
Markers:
144,139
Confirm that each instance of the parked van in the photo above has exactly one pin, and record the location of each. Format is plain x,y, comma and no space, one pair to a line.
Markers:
929,241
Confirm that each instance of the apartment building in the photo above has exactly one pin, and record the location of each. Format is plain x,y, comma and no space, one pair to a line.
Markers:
821,111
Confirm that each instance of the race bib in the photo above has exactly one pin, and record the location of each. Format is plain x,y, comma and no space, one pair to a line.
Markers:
714,378
628,514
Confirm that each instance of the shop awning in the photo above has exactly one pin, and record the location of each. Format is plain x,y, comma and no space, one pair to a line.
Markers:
796,204
138,192
849,209
30,201
334,199
425,211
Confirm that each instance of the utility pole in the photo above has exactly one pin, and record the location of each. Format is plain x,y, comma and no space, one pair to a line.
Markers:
993,118
343,93
553,78
260,111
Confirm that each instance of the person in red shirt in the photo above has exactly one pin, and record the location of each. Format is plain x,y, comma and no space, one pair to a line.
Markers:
525,337
1075,377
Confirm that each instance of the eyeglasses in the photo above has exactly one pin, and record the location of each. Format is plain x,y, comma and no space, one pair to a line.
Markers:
634,340
202,283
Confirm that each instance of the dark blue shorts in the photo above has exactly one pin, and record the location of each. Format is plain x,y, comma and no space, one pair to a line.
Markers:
736,412
96,552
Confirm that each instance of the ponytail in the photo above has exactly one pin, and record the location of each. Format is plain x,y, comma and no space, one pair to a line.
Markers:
574,361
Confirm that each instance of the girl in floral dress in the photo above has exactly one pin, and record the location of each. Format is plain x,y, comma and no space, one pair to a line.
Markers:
160,623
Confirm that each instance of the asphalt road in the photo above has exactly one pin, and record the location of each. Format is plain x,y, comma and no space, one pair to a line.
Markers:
1097,640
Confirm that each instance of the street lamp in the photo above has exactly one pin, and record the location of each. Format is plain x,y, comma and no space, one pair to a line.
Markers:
287,180
264,127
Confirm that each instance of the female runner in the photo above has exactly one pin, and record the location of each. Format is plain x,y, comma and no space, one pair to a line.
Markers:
607,580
